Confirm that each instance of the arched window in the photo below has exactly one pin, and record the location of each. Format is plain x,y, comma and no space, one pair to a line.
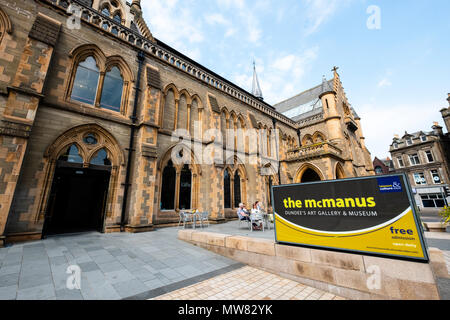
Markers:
237,189
71,155
227,189
117,17
134,27
168,187
185,188
105,11
101,158
112,90
86,81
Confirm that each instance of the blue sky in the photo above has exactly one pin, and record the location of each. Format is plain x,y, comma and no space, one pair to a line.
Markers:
396,77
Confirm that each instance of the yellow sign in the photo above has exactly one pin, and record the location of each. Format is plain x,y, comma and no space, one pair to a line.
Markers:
353,215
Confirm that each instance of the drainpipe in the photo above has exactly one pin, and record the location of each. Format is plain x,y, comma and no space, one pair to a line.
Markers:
140,58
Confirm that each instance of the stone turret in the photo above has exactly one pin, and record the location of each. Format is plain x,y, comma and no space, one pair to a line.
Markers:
136,5
331,113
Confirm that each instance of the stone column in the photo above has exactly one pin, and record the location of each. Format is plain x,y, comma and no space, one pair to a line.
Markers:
24,95
142,199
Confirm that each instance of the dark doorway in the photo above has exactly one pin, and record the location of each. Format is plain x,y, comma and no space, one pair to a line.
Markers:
310,176
185,188
77,200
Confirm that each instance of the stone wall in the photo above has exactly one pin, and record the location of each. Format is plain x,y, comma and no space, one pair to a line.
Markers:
344,274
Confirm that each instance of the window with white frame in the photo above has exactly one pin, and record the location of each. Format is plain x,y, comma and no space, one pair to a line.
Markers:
409,141
423,138
436,177
414,159
401,164
419,178
430,157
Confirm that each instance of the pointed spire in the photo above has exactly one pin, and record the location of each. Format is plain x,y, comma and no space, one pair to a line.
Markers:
256,89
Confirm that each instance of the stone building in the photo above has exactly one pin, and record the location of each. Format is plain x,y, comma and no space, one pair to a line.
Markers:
90,101
424,157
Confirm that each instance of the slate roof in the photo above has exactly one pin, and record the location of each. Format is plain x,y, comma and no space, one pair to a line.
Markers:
306,103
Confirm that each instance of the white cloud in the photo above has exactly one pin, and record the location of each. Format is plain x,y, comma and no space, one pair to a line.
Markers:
319,12
216,18
384,83
219,19
245,16
174,23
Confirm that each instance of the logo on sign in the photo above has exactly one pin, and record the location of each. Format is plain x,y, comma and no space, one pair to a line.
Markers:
391,184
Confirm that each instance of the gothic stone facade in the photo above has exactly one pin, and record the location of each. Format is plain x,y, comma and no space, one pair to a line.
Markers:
85,89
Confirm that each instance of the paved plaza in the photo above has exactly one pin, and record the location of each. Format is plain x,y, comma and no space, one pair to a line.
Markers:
137,266
248,283
114,266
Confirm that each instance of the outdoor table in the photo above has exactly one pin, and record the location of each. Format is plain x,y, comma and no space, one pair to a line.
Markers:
193,217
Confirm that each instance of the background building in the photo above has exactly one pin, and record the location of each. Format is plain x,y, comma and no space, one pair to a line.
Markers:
424,157
383,166
90,100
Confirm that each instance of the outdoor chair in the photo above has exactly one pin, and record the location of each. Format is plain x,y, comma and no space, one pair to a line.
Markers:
252,220
204,218
240,221
184,218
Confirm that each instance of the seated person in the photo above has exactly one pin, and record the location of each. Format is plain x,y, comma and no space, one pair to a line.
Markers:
259,206
242,213
257,218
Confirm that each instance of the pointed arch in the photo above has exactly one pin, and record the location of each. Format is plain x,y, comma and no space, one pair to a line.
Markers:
183,114
77,134
318,137
339,171
103,139
196,116
114,90
123,66
181,167
238,182
307,140
299,176
5,24
169,104
80,53
174,88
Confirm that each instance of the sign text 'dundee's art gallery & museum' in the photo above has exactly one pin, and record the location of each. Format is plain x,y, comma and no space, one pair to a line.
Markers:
368,215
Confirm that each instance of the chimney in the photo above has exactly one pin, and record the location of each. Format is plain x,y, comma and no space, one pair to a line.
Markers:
437,129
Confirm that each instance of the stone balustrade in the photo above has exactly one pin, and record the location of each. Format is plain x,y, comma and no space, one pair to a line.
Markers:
313,151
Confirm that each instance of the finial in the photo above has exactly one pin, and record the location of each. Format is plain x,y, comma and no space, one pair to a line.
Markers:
335,69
